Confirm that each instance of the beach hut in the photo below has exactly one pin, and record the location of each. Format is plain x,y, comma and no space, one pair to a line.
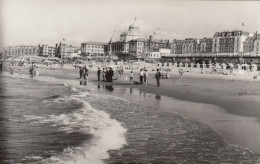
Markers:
191,65
253,67
186,65
224,66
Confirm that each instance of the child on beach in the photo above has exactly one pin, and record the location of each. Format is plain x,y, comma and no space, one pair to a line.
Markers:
132,77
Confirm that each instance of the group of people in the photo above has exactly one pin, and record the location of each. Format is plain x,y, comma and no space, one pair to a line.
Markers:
83,75
107,74
34,71
143,76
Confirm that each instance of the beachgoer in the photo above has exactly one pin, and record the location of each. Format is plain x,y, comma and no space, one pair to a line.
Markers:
1,67
98,73
167,75
80,72
31,70
131,77
141,76
86,71
146,77
37,71
104,74
111,74
181,71
34,71
107,75
158,77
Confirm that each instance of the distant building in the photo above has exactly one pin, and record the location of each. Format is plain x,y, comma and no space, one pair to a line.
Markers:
93,48
18,51
229,41
192,46
206,45
176,47
132,34
63,50
248,45
142,47
122,46
257,45
46,51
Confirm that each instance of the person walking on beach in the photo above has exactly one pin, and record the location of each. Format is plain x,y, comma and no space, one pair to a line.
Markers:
158,77
141,76
98,73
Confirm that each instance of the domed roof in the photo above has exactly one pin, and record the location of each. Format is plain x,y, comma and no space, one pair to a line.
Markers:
124,33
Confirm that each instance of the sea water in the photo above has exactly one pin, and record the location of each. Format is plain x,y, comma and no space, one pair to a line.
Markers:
50,120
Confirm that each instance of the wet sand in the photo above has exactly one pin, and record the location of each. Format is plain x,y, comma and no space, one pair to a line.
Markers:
230,107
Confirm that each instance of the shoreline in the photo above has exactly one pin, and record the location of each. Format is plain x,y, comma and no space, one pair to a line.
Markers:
198,91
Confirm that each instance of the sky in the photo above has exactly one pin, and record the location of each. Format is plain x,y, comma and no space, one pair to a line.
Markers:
33,22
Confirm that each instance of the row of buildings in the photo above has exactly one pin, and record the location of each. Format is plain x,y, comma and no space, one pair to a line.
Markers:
236,42
60,50
133,44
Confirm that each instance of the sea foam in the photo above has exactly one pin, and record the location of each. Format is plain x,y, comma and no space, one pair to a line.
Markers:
108,134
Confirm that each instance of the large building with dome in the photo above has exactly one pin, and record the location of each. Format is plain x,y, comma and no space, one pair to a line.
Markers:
132,33
134,44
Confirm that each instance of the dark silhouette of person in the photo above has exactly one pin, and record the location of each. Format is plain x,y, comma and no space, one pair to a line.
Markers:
158,77
98,73
107,75
81,71
111,74
1,67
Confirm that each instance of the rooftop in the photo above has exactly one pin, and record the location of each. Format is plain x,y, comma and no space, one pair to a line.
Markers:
95,43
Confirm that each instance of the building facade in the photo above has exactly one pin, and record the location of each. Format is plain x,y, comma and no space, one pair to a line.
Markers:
46,51
133,33
257,45
122,46
64,51
19,51
248,45
97,49
192,46
141,48
230,41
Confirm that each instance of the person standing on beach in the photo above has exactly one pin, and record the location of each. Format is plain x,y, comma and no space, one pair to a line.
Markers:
131,77
80,72
98,73
158,77
141,76
111,74
146,77
104,74
31,71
